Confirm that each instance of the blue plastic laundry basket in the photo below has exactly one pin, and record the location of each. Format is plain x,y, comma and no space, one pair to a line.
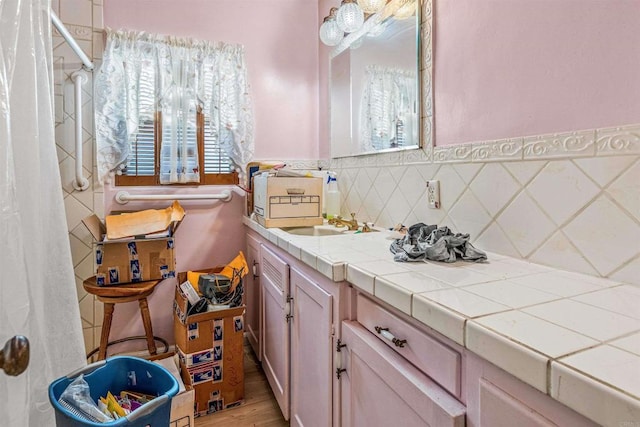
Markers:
115,375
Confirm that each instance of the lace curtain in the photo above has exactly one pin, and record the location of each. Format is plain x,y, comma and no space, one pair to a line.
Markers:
388,108
185,76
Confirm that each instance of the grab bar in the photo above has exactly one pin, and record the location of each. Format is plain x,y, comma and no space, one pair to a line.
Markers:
79,77
123,197
86,62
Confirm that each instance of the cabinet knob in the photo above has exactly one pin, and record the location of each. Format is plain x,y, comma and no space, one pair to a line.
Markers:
339,372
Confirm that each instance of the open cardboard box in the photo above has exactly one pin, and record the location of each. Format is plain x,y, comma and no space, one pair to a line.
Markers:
211,352
148,255
181,403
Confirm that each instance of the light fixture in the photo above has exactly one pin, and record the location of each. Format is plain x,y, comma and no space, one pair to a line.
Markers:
405,11
349,17
371,6
330,34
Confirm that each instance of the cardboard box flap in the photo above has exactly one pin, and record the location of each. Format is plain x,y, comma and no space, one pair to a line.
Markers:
144,222
95,226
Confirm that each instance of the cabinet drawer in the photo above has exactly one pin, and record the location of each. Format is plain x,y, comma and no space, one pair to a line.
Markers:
435,359
382,389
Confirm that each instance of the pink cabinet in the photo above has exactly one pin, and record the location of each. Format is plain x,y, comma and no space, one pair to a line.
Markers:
311,353
497,399
252,292
275,323
299,327
381,388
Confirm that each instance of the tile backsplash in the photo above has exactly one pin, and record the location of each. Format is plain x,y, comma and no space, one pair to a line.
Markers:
574,213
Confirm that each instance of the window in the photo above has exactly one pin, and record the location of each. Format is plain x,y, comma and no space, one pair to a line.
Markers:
170,110
144,165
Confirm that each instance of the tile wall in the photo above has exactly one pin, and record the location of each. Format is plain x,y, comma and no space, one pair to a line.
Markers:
575,207
83,19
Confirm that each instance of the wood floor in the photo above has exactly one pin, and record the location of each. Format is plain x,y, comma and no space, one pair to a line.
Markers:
260,408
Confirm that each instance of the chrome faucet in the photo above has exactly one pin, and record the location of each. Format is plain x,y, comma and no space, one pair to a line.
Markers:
339,222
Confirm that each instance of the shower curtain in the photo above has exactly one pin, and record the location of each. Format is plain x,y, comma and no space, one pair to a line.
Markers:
37,284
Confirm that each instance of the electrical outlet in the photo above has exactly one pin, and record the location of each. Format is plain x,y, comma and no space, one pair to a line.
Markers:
433,194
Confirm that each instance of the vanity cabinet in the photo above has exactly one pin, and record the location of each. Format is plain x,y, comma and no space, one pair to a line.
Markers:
301,311
252,295
337,356
276,314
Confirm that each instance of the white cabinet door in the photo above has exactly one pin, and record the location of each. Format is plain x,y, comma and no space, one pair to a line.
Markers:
252,322
311,353
382,389
275,311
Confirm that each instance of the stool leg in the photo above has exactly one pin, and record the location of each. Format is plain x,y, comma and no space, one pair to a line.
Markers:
146,320
106,328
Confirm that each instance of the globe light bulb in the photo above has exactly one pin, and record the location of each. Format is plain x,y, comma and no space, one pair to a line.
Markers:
371,6
330,34
349,17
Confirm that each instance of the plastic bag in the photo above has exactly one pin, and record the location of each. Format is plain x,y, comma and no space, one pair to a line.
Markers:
76,398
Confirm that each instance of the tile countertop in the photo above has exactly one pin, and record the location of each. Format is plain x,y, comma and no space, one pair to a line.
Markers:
572,336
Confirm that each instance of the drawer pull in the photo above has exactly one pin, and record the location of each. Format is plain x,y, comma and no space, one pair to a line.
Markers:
255,270
339,372
388,335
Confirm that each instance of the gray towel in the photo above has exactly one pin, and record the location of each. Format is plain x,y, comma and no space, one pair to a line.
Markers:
437,244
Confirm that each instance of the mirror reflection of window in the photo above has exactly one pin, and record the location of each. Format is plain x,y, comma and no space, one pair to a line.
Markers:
375,87
388,109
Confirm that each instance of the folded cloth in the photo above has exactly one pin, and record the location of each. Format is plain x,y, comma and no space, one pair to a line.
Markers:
437,244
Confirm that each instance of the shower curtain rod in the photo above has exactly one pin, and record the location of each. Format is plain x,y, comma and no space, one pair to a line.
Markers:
86,62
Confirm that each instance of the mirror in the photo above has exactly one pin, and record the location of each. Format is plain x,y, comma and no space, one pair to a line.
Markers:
375,85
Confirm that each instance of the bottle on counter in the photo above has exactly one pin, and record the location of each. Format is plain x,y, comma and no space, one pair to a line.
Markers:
333,196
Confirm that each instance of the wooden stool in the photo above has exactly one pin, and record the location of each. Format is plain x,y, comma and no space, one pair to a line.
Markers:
112,295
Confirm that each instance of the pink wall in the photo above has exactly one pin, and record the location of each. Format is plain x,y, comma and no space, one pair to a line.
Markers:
505,68
281,48
210,235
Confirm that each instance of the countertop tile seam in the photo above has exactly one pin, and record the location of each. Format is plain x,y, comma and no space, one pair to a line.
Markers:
465,316
610,342
549,357
599,381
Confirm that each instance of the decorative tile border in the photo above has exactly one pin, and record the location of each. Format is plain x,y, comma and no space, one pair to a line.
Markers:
77,31
568,144
618,141
613,141
500,150
452,154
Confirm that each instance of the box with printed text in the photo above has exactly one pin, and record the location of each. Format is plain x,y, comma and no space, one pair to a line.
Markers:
133,258
210,349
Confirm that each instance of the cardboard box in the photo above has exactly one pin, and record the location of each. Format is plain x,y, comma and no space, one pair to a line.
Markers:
287,201
182,414
134,259
211,352
182,403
